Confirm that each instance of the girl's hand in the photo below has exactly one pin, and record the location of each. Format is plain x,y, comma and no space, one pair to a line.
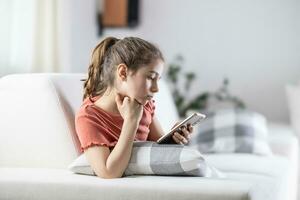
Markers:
183,136
129,108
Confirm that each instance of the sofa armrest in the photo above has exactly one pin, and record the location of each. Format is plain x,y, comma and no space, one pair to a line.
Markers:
283,141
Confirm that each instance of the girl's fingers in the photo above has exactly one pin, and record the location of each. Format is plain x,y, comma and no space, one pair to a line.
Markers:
184,136
185,133
190,128
176,139
126,100
179,139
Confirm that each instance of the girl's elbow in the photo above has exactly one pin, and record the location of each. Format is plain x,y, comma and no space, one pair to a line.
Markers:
107,175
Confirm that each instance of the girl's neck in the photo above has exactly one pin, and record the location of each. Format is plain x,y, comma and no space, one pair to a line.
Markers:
107,102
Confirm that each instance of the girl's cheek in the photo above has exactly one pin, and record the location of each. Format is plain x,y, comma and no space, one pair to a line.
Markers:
149,84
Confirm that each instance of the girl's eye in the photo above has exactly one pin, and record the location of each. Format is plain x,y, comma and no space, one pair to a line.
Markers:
151,78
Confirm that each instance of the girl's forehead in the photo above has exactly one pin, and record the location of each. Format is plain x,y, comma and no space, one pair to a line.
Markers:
155,67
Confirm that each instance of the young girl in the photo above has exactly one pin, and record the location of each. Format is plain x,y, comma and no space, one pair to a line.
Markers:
118,107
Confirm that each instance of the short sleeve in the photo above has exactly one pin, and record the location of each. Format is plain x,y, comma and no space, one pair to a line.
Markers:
91,133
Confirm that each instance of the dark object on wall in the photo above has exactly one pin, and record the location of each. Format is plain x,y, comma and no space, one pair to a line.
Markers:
117,13
99,22
133,13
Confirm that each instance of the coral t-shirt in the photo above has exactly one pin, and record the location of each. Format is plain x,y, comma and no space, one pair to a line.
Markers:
97,127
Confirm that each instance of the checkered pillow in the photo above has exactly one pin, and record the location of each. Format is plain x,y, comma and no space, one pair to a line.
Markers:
159,159
232,131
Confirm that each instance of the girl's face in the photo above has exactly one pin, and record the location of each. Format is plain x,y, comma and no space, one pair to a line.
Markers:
143,84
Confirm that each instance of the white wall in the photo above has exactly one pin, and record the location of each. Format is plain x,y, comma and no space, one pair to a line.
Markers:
254,43
83,30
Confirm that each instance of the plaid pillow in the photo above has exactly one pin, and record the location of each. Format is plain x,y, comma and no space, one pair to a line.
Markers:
232,131
158,159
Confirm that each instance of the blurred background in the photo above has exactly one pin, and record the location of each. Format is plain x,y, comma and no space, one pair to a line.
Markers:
253,45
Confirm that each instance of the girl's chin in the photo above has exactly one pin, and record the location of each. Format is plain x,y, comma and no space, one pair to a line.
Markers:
142,101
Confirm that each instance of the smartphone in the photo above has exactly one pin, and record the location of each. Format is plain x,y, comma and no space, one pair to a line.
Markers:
192,119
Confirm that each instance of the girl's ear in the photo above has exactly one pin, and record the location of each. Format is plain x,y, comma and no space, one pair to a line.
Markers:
122,71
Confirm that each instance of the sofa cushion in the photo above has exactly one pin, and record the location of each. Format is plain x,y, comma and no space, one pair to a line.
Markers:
48,184
160,159
35,129
232,130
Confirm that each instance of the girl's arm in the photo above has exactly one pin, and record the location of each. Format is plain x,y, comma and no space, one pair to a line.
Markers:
156,130
108,164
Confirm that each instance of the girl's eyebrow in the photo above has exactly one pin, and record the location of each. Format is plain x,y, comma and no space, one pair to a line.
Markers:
155,73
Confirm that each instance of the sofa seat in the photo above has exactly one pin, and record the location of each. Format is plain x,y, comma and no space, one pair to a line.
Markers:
39,183
250,163
276,170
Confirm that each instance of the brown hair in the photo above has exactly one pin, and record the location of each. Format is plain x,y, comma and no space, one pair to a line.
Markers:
109,53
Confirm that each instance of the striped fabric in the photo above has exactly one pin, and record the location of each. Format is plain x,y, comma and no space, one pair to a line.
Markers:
232,131
158,159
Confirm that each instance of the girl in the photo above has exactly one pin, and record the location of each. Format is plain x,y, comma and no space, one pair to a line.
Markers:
118,107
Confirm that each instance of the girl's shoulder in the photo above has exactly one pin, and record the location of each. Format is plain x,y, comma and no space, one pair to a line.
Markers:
88,108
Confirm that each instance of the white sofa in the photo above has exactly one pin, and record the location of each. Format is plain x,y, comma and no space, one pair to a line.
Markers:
37,144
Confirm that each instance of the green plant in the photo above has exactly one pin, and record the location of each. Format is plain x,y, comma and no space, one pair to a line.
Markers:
200,101
223,94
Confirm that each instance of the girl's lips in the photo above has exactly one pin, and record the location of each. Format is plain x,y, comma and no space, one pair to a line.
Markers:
149,97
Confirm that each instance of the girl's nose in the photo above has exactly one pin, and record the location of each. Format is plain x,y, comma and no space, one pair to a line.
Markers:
154,88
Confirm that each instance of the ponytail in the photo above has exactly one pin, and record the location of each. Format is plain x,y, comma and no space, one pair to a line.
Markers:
94,85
